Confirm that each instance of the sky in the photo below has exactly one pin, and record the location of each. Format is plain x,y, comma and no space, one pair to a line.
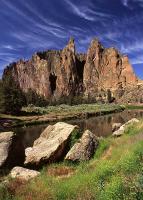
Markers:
27,26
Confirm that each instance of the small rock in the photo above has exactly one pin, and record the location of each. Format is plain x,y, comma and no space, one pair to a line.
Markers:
6,124
23,173
121,130
84,149
116,126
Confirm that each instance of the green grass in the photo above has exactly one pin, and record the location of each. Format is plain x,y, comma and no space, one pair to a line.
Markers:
114,173
132,107
82,108
103,146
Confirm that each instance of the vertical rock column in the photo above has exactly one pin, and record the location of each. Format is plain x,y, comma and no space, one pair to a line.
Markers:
67,73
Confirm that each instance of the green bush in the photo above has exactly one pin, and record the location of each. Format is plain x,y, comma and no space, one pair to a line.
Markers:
35,99
74,138
1,98
13,98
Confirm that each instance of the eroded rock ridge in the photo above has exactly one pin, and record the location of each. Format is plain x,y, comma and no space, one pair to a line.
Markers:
103,74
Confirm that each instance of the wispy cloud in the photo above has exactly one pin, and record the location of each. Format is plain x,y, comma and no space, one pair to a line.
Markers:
140,2
58,32
125,2
137,60
8,47
33,41
85,11
10,7
6,58
44,23
78,11
133,47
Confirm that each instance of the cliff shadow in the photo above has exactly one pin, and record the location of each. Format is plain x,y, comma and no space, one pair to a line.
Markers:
80,69
53,82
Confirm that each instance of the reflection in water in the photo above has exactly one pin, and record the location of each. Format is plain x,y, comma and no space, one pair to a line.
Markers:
100,126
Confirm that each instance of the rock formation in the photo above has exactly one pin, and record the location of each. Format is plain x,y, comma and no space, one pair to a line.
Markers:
51,146
103,74
106,70
84,149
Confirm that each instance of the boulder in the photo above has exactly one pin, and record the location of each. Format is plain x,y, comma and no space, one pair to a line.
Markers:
116,126
11,150
84,148
121,130
51,146
23,173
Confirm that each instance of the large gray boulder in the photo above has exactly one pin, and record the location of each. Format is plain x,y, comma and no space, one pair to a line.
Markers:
84,148
121,130
11,150
23,173
51,145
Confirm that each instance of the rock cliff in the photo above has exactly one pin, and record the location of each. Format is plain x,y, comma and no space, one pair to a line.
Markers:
103,74
106,70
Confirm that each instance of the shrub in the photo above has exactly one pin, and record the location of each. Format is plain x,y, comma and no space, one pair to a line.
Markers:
1,97
13,98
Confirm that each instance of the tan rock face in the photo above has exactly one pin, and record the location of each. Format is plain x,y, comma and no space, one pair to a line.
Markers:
52,74
66,73
106,69
57,75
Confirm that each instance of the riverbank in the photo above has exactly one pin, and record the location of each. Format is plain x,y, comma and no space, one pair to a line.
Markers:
114,173
134,107
37,115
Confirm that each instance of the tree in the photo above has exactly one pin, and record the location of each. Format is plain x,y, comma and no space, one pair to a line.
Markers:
13,98
35,99
1,98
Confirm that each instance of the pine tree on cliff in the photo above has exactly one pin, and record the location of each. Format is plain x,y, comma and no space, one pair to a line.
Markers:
13,99
1,97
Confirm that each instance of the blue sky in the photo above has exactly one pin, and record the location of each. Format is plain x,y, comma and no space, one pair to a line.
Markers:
28,26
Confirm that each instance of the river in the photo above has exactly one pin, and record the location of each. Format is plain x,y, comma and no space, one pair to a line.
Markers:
100,126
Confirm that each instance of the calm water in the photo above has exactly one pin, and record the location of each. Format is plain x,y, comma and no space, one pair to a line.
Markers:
100,126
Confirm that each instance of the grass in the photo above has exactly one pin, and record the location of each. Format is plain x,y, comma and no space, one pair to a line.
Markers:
132,107
71,109
37,115
114,173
